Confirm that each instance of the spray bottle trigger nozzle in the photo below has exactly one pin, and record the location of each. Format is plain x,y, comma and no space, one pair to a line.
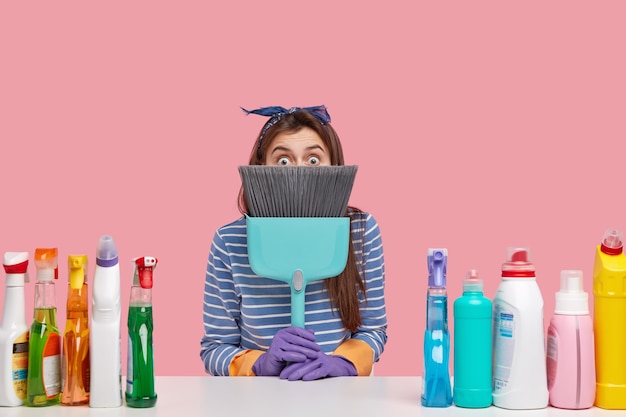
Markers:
145,265
437,265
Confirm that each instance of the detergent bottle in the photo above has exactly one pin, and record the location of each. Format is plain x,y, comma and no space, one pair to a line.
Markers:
44,345
140,391
14,332
75,357
570,357
472,345
436,387
609,290
105,336
519,369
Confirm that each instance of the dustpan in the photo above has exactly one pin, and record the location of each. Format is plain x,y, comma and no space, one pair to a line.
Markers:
297,251
297,229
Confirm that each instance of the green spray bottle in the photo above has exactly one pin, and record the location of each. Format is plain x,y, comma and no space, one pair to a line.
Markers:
44,345
140,391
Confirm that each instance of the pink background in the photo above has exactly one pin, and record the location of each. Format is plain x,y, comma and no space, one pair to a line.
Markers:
475,125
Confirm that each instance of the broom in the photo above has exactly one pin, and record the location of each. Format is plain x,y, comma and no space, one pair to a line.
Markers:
297,229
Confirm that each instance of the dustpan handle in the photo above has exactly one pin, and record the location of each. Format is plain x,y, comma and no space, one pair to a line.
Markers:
297,307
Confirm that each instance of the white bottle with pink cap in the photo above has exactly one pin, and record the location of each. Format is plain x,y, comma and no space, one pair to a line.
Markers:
519,369
570,356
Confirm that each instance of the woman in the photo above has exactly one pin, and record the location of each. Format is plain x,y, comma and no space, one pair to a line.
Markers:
247,328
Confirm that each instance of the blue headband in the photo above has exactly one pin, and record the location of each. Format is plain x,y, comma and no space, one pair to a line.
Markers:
276,113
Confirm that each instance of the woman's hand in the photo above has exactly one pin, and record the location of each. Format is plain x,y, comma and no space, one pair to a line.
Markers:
321,366
293,344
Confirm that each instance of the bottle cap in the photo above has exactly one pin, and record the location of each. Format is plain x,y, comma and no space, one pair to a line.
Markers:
612,242
106,253
46,263
77,267
517,263
437,265
571,299
472,282
16,267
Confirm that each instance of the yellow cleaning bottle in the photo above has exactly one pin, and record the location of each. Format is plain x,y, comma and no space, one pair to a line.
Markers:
609,290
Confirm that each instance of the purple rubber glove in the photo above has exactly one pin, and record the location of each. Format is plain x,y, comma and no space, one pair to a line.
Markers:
322,366
293,344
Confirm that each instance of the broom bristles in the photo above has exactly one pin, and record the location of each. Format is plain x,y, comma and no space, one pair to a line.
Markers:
297,191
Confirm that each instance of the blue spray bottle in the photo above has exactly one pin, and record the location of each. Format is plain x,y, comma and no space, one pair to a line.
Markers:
436,388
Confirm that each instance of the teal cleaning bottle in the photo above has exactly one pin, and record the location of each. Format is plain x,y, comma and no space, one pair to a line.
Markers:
472,345
140,369
436,389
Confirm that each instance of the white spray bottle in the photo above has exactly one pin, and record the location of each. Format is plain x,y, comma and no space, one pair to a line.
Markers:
105,335
14,332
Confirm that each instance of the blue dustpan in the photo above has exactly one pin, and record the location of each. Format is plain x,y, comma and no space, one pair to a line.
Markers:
298,250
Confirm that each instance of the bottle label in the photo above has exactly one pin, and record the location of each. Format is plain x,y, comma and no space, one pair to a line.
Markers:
19,365
433,354
504,346
437,350
129,368
551,356
52,365
86,370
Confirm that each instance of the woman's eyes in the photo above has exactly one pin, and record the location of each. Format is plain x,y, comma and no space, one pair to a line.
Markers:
311,160
314,160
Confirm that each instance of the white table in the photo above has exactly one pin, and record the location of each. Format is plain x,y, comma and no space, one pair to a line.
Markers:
206,396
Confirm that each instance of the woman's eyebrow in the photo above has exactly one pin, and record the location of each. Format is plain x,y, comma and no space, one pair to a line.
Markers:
280,148
316,146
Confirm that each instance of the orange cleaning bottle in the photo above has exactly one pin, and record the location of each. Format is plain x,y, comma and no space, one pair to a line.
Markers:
75,359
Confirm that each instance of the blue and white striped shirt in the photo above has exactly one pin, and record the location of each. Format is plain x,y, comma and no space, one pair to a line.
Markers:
243,310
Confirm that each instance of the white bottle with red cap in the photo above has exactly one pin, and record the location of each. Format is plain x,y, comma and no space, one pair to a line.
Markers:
14,332
519,368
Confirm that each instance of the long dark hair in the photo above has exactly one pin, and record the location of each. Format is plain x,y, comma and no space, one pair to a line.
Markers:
342,289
